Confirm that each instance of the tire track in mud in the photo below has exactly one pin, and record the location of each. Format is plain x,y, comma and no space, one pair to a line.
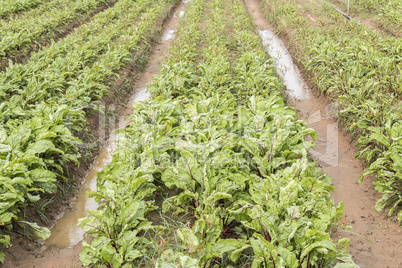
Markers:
382,244
64,245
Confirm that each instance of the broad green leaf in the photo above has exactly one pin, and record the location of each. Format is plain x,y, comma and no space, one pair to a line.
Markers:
188,237
40,232
41,146
187,262
6,218
44,179
3,134
2,257
4,148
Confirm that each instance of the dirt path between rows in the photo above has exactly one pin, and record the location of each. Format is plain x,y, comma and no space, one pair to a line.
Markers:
369,19
52,256
385,248
359,199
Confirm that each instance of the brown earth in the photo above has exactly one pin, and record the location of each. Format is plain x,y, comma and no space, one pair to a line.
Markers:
384,248
369,19
26,253
359,199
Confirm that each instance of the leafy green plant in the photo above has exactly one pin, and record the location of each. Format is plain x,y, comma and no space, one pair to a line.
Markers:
11,7
386,12
233,155
41,23
43,103
362,71
387,166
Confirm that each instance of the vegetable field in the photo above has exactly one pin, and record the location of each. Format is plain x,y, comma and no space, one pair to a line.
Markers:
362,71
220,147
41,23
385,14
43,101
214,169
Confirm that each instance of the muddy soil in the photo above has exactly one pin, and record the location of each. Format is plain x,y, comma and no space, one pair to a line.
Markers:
334,154
377,242
63,247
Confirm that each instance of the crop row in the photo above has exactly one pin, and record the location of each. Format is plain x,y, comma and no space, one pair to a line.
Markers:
218,148
362,71
387,12
52,74
11,7
43,103
41,24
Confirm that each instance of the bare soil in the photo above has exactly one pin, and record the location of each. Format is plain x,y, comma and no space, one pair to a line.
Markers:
385,237
385,247
25,253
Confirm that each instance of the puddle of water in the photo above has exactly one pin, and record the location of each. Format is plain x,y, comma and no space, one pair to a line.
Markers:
66,233
169,34
289,73
141,95
179,14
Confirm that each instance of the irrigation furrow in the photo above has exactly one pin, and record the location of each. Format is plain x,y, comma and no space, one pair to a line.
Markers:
213,170
361,71
48,105
336,156
62,248
208,165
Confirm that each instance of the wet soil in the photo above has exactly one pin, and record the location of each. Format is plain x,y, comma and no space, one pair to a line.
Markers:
63,247
335,154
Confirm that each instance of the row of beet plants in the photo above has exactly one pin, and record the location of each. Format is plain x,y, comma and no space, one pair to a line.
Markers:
386,13
13,7
217,147
41,24
362,71
44,103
